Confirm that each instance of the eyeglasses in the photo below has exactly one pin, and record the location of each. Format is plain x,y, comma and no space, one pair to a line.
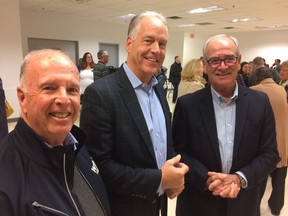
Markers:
216,62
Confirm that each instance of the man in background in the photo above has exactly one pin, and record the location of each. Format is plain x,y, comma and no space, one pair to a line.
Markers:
276,65
277,97
101,69
258,62
44,166
175,76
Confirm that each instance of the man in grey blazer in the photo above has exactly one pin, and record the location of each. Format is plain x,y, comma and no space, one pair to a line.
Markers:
226,135
127,118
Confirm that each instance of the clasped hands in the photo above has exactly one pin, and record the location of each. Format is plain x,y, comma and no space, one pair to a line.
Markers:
223,185
173,176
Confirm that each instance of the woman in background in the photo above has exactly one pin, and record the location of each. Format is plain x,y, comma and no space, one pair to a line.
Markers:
86,74
191,77
245,70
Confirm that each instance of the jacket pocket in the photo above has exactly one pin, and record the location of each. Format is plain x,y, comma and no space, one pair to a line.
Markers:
43,210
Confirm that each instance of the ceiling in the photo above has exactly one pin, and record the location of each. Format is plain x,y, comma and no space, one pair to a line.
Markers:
268,12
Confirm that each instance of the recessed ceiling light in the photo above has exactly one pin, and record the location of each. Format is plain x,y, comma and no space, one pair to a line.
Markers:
244,20
271,27
204,10
185,25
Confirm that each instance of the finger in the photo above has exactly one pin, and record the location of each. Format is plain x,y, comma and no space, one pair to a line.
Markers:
175,159
215,185
211,173
183,167
235,190
226,191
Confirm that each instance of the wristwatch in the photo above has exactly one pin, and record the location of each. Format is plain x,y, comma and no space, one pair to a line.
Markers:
243,183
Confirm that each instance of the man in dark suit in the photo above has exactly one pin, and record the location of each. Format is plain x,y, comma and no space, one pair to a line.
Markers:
226,135
175,76
127,118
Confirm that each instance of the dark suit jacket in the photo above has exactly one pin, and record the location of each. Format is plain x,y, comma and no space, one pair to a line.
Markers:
119,142
255,152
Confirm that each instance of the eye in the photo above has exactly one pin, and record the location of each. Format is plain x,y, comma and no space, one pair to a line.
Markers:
215,60
73,89
162,44
49,88
147,41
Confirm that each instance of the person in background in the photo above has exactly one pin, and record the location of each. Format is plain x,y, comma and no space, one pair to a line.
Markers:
128,122
79,64
191,77
245,70
175,76
86,74
45,167
162,78
276,65
284,76
258,62
226,135
3,117
277,97
101,70
265,64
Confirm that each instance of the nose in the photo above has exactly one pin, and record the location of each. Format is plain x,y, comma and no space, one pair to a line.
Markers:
155,47
62,96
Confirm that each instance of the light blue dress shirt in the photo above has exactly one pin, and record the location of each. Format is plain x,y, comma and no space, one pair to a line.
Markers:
69,140
153,114
225,116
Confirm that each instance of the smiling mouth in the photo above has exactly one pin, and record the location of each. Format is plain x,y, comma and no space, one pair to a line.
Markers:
60,115
152,60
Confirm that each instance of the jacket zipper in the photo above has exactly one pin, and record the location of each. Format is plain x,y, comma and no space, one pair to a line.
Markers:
92,190
66,183
49,209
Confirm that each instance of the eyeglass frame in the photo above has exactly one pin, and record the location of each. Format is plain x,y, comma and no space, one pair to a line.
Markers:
222,60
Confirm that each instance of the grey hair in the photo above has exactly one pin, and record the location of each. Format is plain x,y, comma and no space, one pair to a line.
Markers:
235,41
136,20
101,53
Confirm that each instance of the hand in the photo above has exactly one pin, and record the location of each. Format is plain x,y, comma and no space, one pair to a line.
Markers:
224,185
173,172
172,193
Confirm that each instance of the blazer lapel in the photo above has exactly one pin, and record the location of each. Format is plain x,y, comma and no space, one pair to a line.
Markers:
130,99
208,116
242,104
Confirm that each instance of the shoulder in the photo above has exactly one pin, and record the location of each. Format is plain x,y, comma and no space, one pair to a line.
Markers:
195,97
110,82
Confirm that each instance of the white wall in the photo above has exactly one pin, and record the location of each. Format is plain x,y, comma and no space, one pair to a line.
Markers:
267,44
88,33
10,51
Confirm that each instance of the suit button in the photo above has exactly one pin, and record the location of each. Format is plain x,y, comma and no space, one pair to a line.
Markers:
154,201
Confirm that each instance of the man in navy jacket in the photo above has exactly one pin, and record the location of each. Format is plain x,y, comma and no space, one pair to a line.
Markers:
226,135
44,166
